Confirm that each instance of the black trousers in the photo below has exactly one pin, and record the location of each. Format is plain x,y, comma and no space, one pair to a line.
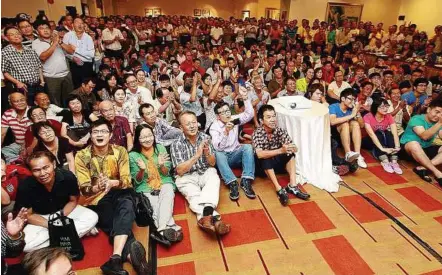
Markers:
385,138
112,53
80,72
276,163
116,215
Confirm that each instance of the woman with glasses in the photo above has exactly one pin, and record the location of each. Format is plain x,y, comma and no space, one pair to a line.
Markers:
57,146
150,167
383,138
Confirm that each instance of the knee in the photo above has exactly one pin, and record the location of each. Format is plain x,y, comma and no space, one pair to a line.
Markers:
167,190
220,157
248,150
412,146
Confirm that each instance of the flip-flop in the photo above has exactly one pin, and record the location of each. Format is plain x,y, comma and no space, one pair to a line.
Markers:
423,174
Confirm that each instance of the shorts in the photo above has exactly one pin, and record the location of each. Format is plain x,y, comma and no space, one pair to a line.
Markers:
431,152
276,163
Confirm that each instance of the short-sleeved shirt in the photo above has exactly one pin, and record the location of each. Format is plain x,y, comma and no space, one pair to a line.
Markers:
338,90
63,148
410,135
376,125
32,194
120,131
194,106
55,66
335,109
23,66
14,174
411,98
18,126
29,135
261,140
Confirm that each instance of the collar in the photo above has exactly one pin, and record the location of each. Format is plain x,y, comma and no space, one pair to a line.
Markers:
14,113
110,151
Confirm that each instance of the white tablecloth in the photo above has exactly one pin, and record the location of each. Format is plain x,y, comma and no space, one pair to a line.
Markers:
310,131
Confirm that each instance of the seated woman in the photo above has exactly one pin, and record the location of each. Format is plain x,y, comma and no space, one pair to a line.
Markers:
58,146
316,92
383,136
150,169
123,107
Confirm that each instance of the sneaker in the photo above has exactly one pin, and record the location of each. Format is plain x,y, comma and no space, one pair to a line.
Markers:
361,162
221,227
297,192
396,168
341,170
351,156
283,196
138,258
206,224
387,167
114,266
246,186
234,192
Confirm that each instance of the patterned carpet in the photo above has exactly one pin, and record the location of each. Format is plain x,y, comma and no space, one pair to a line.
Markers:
339,233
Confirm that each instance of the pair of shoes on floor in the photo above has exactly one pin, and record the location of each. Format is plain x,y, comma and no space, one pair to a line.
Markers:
246,186
213,225
354,156
114,266
284,197
392,167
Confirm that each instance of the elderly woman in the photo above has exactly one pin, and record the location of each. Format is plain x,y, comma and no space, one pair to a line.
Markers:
150,168
123,107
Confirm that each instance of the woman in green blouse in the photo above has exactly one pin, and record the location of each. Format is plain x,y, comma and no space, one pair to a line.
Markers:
150,169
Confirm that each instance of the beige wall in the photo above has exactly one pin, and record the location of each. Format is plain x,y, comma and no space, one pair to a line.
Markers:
426,14
10,8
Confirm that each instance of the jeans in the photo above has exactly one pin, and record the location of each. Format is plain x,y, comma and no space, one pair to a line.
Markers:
243,157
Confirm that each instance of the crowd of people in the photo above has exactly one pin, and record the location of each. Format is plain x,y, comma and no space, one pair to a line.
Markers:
94,108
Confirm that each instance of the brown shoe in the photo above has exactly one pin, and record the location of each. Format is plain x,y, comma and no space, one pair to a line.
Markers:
206,224
221,227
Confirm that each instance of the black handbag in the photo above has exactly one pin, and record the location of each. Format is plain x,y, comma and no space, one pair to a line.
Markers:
62,233
143,210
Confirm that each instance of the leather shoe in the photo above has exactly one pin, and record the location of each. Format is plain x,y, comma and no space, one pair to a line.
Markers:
173,235
297,192
114,266
138,258
246,186
206,224
234,192
222,228
160,239
283,196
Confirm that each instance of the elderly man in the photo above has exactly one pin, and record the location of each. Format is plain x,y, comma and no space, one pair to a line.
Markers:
276,153
50,190
53,111
194,159
121,133
104,180
16,120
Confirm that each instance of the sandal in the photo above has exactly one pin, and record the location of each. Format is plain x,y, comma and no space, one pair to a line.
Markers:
423,174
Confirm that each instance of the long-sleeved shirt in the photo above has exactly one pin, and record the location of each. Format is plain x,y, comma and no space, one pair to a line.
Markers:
84,50
165,134
229,142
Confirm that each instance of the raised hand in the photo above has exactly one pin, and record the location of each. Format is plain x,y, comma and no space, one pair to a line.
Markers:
141,164
15,226
163,158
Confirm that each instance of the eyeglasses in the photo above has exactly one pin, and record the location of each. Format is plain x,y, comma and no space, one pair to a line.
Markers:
350,98
224,113
103,132
384,106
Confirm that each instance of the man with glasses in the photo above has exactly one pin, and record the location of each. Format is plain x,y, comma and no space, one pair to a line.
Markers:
194,159
138,95
105,182
17,122
336,87
21,65
417,98
49,48
346,122
27,32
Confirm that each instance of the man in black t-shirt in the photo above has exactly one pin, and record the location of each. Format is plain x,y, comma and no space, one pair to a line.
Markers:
47,191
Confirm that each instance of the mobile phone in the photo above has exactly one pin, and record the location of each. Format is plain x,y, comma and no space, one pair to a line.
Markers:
236,121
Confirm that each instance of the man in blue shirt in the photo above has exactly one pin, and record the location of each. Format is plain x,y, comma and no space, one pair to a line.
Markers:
346,119
417,97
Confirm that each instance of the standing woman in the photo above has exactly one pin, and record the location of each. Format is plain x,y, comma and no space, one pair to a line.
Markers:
150,167
383,136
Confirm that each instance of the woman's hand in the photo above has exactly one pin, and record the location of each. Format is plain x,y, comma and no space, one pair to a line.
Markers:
163,158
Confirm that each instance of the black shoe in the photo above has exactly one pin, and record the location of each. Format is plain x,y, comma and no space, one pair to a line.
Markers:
114,266
234,192
160,239
283,196
246,186
172,235
138,258
297,192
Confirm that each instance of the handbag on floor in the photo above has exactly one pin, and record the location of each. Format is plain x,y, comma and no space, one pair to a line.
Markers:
62,233
143,210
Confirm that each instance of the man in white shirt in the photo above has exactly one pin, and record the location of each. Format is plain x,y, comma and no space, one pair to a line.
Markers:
55,70
216,33
111,39
138,95
336,87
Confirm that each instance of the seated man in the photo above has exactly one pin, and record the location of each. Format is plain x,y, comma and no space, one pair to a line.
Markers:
53,260
276,152
52,111
104,179
229,152
193,157
121,133
47,191
167,98
346,119
417,140
417,98
165,134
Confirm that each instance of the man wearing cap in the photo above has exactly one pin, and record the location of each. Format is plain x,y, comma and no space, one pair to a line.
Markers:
55,70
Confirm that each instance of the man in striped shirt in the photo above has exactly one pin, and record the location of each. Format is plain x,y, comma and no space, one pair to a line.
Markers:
15,119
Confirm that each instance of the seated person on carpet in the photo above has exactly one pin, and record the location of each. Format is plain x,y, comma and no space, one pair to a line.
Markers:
398,108
150,169
48,261
417,98
13,238
276,153
104,179
316,92
47,191
347,121
418,138
229,152
165,133
383,138
194,159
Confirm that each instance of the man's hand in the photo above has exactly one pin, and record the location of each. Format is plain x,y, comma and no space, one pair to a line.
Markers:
356,109
15,226
55,39
21,85
229,126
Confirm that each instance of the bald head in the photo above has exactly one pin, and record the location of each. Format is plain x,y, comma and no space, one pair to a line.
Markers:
107,110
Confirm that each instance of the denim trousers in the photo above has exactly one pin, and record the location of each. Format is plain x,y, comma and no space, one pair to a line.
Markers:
243,158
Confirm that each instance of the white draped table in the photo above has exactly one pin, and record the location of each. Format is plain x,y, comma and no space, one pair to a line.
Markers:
310,131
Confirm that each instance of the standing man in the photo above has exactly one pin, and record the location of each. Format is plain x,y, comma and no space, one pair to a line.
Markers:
196,178
276,153
111,39
21,65
216,34
80,52
50,48
50,190
27,32
104,180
